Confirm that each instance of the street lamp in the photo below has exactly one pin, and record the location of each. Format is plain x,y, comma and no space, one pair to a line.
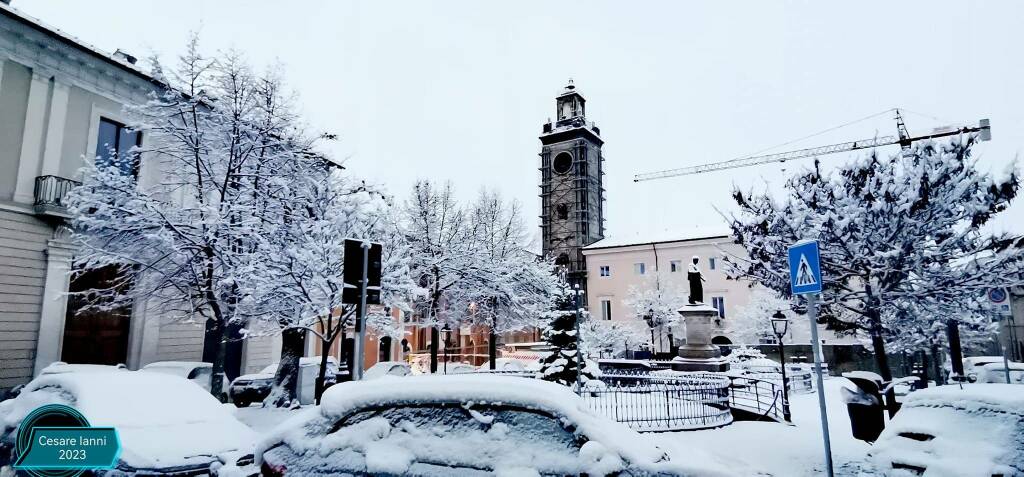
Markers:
780,324
446,333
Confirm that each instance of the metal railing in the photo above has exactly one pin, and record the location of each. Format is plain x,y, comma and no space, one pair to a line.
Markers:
650,403
760,397
51,191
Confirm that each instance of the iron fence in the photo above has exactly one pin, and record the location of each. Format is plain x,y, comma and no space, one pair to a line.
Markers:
647,403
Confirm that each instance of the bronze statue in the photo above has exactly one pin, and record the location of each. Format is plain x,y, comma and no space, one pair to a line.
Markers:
695,278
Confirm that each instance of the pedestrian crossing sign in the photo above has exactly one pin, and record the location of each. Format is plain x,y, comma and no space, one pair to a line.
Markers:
804,268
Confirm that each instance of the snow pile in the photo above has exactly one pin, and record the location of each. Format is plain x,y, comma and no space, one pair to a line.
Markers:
949,431
162,420
506,442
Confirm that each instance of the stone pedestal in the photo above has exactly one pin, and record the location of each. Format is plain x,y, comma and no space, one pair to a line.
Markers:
698,354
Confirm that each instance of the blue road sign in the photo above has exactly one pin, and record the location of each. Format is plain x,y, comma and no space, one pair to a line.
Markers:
804,268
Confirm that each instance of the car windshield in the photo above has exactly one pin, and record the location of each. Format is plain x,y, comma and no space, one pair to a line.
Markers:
270,369
455,435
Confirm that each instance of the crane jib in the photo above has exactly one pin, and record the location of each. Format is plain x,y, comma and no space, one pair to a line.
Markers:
982,127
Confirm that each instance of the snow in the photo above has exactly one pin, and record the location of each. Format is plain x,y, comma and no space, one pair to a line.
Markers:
974,431
145,408
779,449
664,236
497,446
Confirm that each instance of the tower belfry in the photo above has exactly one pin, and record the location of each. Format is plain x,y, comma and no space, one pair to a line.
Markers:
571,190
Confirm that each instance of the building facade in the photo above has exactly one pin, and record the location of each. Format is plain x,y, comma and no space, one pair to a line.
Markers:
61,104
618,265
571,187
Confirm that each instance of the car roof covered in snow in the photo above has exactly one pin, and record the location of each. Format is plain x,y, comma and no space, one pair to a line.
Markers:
1008,398
343,399
976,430
162,420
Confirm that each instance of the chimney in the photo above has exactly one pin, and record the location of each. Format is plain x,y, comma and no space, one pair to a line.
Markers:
120,54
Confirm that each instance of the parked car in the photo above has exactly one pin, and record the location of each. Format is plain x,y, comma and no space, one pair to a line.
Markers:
196,371
387,368
250,388
996,373
166,425
504,365
972,365
60,367
466,425
456,368
974,431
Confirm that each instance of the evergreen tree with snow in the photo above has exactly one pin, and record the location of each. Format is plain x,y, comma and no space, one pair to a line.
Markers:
563,364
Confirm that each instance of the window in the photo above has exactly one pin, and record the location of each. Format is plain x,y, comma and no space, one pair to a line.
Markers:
563,211
639,268
606,309
675,266
606,271
711,263
114,142
718,302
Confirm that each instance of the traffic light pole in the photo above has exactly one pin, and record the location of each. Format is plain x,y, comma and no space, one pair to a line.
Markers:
359,358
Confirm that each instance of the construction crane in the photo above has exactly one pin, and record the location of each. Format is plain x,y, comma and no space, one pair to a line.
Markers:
903,138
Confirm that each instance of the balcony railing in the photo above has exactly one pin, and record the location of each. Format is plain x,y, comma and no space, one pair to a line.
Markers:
51,193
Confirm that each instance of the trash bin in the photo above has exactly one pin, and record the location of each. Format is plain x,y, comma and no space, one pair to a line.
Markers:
864,404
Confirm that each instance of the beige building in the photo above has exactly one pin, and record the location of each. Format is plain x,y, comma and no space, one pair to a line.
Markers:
617,264
60,104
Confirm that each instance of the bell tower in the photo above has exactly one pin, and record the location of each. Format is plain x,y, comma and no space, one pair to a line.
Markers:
571,190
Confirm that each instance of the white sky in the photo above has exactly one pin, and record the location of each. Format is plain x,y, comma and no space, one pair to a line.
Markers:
459,90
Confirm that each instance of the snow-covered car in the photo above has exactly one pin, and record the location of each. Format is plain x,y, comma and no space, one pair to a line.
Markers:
506,365
60,367
196,371
456,368
387,368
166,425
946,431
465,425
973,364
249,388
996,373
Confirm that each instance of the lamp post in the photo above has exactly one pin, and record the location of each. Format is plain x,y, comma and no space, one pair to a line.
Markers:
649,318
780,325
446,333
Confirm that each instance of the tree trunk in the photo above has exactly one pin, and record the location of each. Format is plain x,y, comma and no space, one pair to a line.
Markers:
924,369
286,381
940,379
217,373
956,354
882,361
435,336
325,348
492,349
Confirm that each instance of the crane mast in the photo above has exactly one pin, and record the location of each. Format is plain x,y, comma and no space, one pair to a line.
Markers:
904,139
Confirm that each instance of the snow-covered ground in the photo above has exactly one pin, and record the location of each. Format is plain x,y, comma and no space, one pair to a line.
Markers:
780,449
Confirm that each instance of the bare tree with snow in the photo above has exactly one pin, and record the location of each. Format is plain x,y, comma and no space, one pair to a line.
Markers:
657,300
181,245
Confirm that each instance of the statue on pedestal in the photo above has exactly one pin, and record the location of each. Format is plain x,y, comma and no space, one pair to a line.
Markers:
695,278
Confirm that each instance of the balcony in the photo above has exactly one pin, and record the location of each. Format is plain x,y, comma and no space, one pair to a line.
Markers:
50,195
